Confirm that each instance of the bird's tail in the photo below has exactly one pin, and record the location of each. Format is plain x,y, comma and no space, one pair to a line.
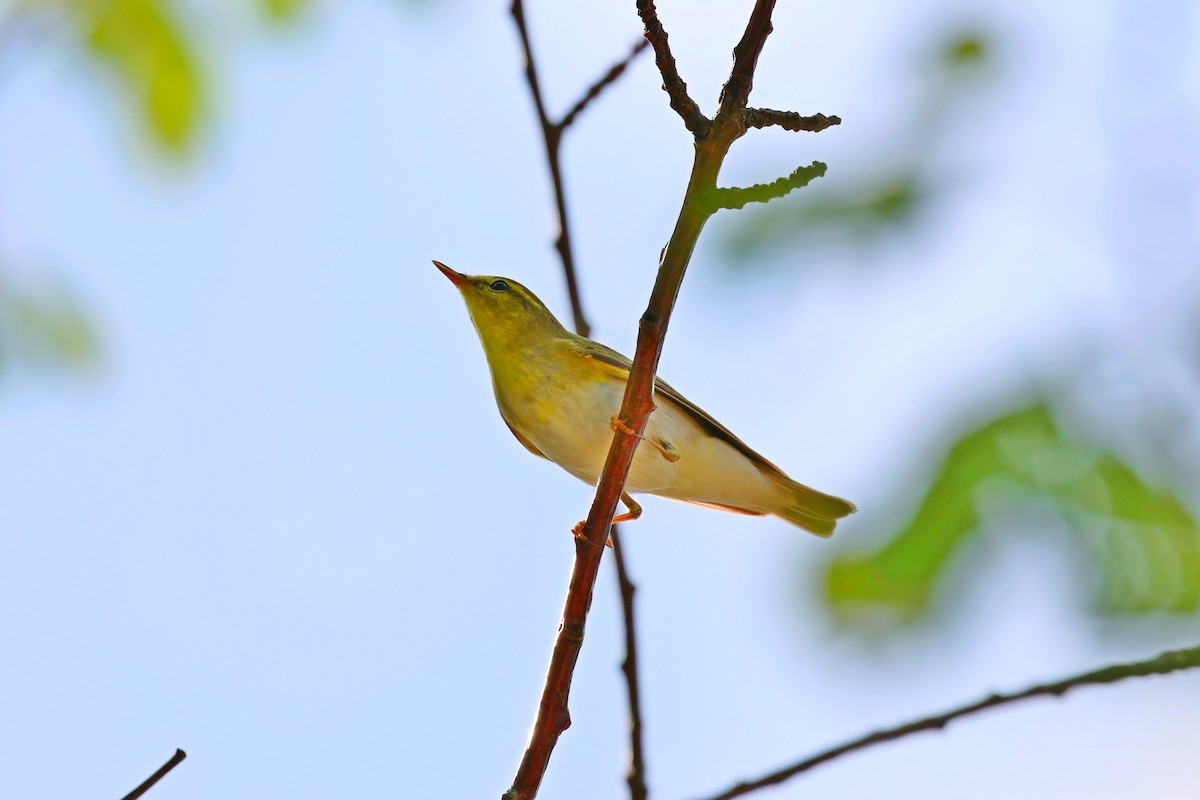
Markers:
814,511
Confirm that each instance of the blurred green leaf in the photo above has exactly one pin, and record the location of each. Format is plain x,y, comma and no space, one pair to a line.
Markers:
1147,548
1143,542
854,214
901,177
965,49
45,329
149,50
283,10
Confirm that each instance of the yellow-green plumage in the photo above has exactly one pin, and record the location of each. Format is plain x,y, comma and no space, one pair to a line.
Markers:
559,393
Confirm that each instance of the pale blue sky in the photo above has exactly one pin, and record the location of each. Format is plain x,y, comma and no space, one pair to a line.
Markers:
283,527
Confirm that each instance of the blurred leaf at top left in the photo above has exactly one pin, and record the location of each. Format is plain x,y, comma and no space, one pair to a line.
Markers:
144,44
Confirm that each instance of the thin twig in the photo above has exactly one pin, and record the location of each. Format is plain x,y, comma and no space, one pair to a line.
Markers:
1170,661
596,88
789,120
735,197
636,778
145,785
552,135
673,85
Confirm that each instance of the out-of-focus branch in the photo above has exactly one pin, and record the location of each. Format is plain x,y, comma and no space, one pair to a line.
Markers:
145,785
552,135
711,146
615,72
1171,661
636,777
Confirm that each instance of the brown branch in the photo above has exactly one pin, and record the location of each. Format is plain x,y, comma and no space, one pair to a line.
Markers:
552,135
636,777
736,91
145,785
1170,661
788,120
596,88
553,717
735,197
673,85
712,144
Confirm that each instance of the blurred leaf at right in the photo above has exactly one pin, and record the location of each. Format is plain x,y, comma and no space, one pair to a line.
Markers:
854,213
894,193
1142,543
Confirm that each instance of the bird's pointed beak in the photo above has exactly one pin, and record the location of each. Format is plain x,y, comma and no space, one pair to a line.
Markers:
457,278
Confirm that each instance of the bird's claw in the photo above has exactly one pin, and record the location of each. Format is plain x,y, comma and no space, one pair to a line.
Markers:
620,427
577,532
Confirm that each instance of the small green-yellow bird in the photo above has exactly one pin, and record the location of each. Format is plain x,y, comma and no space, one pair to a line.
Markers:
560,395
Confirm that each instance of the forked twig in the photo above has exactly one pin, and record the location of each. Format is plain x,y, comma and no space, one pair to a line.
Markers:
552,136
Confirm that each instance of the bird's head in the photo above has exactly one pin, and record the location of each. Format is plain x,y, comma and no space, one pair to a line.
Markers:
504,312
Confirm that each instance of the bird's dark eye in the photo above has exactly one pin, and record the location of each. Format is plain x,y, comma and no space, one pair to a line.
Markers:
499,286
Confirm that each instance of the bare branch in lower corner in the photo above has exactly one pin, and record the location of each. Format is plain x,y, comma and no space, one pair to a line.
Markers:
788,120
1171,661
762,192
157,776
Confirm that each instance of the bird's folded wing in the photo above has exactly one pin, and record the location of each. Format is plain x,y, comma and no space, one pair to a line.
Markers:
703,420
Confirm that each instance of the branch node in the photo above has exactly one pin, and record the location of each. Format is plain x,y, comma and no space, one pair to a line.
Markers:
573,630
